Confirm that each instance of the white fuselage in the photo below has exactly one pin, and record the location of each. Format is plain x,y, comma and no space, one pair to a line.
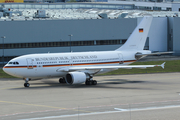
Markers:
79,67
55,64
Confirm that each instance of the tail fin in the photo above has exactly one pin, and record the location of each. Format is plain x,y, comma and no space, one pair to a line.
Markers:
137,39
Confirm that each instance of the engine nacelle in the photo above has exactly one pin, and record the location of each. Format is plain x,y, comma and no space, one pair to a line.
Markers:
77,77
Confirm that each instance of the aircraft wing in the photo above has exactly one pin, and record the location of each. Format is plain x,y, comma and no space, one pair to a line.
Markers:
74,68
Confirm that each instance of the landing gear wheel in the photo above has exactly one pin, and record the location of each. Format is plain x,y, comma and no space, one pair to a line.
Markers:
62,80
94,82
86,82
91,82
26,84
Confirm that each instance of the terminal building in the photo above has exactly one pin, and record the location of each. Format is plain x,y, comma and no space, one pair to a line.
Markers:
52,28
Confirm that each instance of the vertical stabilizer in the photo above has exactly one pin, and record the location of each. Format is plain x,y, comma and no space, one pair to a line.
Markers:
137,39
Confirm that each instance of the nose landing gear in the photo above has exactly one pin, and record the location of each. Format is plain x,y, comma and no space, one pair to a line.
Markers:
26,84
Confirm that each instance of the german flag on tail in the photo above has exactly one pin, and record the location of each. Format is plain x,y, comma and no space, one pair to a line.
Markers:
140,30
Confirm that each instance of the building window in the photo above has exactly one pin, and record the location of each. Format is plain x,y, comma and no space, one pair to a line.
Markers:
61,44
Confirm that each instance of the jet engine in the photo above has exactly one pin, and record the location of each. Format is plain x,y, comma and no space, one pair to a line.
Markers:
77,77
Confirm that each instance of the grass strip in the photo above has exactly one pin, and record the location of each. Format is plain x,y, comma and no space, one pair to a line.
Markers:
170,66
5,75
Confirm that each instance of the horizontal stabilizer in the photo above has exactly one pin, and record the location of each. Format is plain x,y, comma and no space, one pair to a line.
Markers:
157,53
140,55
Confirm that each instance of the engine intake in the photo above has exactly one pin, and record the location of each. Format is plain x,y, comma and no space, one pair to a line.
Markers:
77,77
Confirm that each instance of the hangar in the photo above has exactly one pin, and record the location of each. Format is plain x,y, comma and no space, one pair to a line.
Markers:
64,28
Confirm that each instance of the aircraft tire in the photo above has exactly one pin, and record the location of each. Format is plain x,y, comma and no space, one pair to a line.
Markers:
91,82
88,83
26,84
62,80
94,82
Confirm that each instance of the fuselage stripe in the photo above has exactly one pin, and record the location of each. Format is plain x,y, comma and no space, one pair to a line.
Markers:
20,66
78,64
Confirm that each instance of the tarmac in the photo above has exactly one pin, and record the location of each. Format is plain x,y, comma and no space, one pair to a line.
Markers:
117,97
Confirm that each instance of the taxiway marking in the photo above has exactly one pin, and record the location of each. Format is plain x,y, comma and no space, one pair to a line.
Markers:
32,104
59,108
105,112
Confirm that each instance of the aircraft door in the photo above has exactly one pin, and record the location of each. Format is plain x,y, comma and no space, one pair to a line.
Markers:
121,60
29,63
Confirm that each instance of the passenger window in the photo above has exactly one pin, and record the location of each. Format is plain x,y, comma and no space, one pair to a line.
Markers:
17,63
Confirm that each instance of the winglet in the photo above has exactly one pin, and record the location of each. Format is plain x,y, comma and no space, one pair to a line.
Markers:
162,65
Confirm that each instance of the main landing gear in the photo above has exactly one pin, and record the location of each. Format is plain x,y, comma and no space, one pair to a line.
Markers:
62,80
91,82
26,84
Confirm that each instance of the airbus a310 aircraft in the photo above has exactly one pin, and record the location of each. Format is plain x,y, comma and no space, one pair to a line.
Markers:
79,67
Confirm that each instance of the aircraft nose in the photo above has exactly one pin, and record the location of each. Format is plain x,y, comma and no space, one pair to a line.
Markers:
5,69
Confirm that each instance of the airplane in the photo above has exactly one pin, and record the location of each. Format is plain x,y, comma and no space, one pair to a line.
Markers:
80,67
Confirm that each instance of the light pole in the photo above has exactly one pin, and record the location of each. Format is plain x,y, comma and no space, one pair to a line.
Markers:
3,37
70,40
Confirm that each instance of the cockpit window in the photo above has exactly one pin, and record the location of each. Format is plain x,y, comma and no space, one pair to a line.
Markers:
15,63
